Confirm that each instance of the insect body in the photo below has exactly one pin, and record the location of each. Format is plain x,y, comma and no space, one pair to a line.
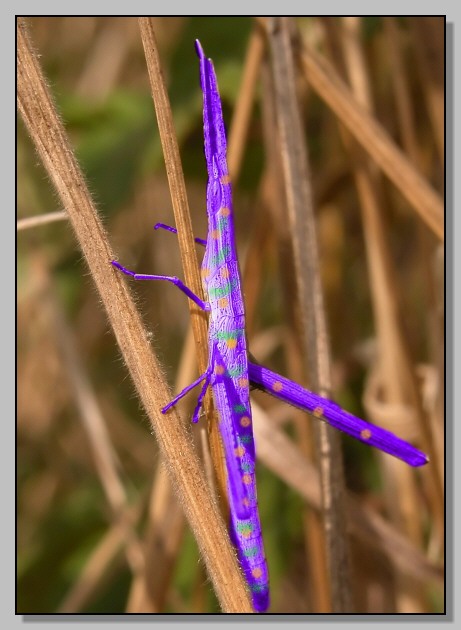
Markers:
229,372
228,356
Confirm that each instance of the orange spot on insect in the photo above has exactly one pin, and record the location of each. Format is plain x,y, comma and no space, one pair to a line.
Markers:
243,382
205,272
245,421
318,412
365,434
215,234
219,369
246,533
256,573
225,179
223,302
239,451
247,479
224,273
277,386
224,211
245,502
231,343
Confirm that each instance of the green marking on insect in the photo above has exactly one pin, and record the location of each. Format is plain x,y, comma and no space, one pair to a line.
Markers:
225,335
250,552
226,289
237,371
245,529
222,255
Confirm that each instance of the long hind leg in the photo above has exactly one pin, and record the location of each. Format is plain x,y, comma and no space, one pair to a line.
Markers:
198,406
182,393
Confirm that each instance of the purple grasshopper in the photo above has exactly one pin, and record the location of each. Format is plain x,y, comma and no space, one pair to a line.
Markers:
229,371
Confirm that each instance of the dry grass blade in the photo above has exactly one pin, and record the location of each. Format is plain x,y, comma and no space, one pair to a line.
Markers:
42,219
399,382
105,458
184,226
374,139
241,118
408,131
105,58
98,569
39,114
372,528
309,290
273,194
406,118
163,540
428,34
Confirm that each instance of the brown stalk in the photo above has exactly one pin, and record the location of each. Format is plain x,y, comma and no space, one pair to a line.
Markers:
238,134
177,186
323,78
252,263
310,299
185,233
165,527
272,190
40,117
241,118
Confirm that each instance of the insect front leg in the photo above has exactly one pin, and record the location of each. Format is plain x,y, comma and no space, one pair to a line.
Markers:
169,228
205,306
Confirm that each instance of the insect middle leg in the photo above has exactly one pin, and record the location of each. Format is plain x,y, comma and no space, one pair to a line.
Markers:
205,306
182,393
201,396
205,376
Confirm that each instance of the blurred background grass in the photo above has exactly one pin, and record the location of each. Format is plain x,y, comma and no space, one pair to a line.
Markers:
96,69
